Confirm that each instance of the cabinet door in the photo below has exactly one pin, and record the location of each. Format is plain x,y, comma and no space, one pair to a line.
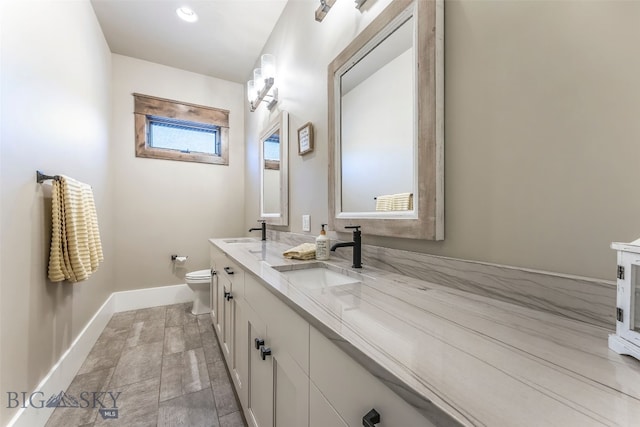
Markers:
259,409
227,322
290,391
221,282
278,392
321,413
216,260
240,351
213,296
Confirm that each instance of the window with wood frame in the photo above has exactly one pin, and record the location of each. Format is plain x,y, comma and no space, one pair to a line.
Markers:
175,130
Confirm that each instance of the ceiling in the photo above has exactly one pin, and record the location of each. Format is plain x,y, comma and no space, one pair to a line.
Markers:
225,42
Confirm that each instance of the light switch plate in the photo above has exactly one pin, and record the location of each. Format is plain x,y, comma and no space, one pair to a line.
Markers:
306,222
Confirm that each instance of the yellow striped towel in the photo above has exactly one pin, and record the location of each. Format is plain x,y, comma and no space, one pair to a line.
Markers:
76,248
303,251
384,203
402,202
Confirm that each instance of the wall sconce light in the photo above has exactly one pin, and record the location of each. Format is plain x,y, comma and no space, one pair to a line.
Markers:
359,3
325,6
262,85
323,9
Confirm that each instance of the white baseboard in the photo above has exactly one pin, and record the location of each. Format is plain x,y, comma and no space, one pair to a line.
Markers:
152,297
62,373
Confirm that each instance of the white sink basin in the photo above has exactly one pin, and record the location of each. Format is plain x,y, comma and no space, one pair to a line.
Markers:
243,240
317,277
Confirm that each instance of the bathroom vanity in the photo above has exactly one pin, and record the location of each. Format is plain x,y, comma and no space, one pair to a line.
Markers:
313,343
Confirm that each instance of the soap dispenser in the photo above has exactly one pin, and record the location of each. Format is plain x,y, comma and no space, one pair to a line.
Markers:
322,245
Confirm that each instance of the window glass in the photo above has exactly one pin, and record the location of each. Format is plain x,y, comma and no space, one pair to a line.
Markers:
182,135
272,147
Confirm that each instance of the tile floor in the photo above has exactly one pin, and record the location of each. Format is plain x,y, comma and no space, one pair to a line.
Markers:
168,368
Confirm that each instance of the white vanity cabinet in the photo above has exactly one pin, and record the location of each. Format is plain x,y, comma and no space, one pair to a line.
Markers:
278,349
342,390
287,373
227,294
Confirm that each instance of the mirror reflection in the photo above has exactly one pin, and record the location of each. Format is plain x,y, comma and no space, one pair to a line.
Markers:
377,134
635,292
274,185
271,173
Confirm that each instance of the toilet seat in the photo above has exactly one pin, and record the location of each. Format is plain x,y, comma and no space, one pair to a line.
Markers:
200,276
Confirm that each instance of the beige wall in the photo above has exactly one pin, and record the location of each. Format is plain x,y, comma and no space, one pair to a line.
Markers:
542,101
55,117
168,207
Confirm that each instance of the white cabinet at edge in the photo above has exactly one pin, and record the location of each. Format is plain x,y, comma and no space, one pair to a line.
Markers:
227,293
278,349
272,386
287,373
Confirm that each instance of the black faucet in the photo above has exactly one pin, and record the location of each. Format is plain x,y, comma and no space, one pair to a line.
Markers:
263,228
357,246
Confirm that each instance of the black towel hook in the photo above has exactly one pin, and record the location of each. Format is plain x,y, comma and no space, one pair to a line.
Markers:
41,177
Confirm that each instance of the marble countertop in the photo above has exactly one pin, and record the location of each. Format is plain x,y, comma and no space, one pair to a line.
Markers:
460,358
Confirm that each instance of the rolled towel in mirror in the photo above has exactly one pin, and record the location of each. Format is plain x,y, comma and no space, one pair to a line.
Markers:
384,202
402,202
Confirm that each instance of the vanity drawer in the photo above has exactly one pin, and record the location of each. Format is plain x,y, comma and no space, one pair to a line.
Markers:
228,269
352,391
287,330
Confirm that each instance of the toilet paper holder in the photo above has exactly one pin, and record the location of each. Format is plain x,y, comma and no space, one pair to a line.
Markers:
179,258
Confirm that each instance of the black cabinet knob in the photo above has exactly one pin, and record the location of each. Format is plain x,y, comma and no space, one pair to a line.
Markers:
371,419
229,297
213,272
228,270
226,294
264,352
259,343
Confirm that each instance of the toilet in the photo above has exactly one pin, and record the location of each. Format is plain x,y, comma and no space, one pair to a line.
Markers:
199,282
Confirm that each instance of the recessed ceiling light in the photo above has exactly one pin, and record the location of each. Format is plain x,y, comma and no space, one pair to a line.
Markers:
186,14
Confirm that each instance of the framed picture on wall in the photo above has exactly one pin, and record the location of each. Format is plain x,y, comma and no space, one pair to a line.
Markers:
305,139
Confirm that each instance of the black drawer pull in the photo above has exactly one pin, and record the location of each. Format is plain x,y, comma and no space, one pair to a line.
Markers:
371,419
228,296
213,272
264,352
228,270
259,342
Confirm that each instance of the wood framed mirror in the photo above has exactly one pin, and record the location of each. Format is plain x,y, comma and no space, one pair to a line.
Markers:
386,125
274,171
